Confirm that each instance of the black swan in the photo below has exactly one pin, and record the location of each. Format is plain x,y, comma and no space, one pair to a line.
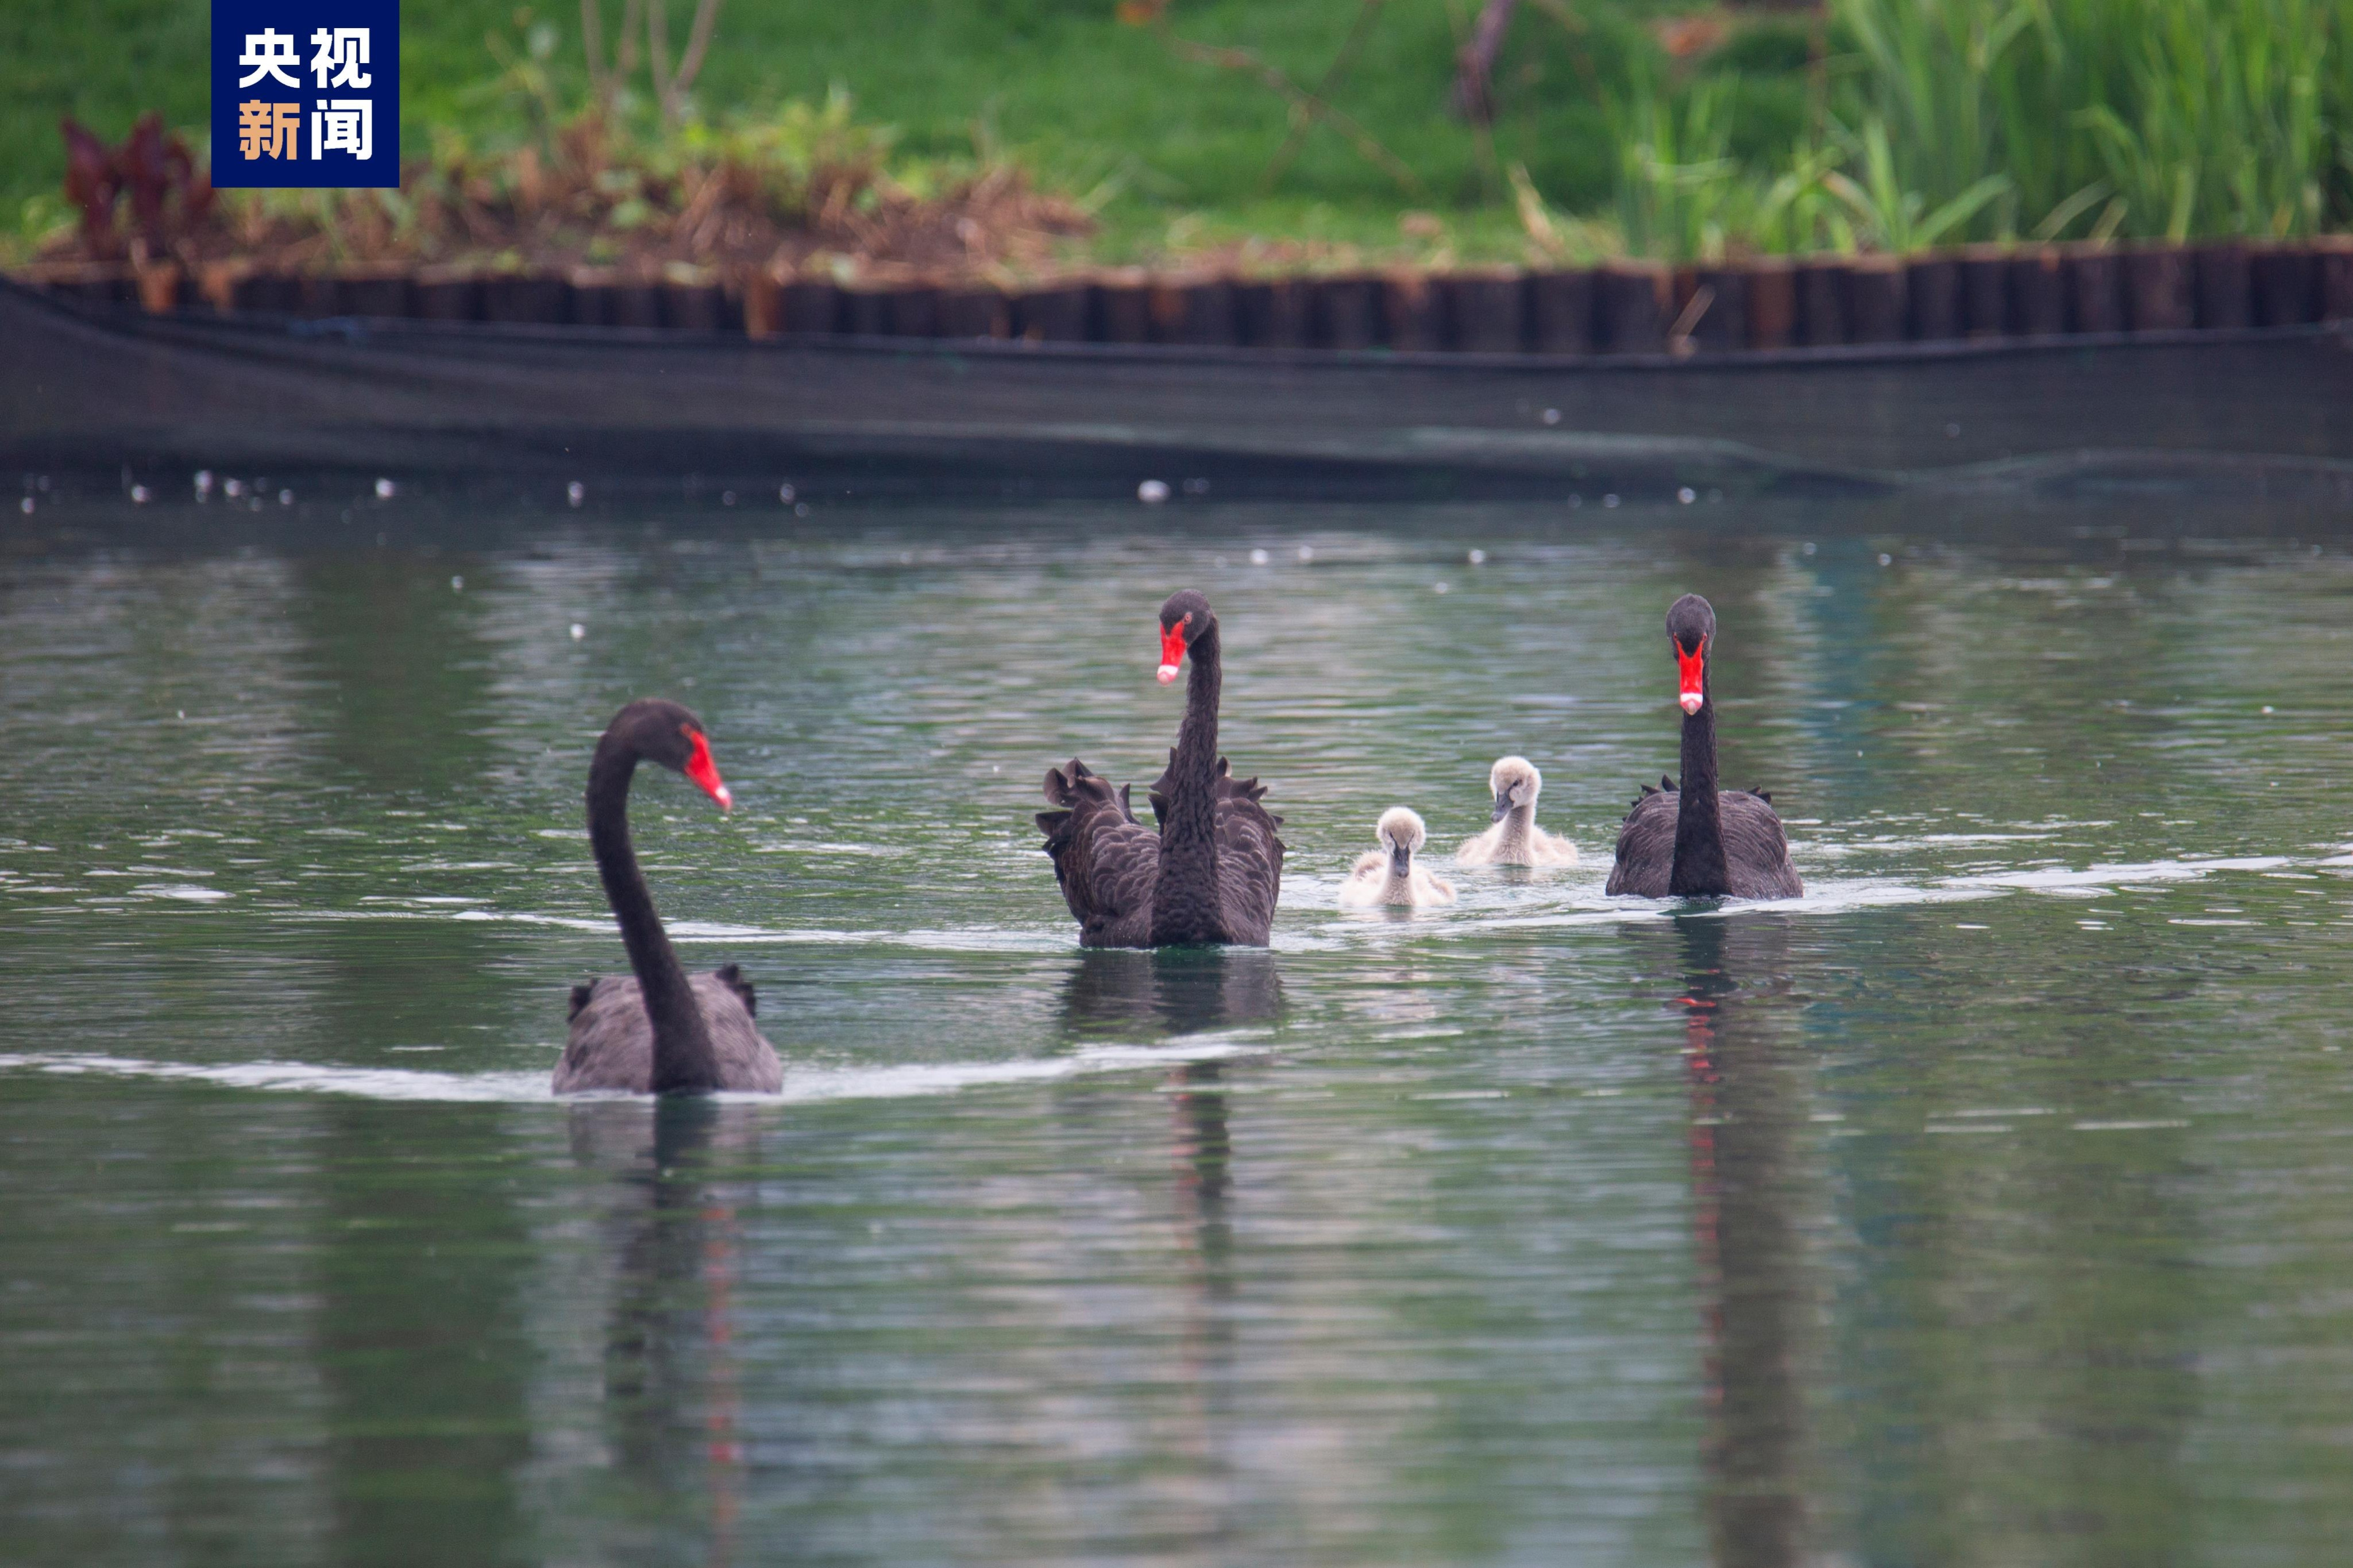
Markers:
1693,842
1515,840
665,1031
1388,876
1213,870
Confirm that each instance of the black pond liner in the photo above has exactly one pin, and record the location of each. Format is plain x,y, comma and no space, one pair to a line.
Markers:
96,389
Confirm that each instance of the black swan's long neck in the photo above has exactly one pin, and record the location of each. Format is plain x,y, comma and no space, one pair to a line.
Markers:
1699,869
683,1058
1185,898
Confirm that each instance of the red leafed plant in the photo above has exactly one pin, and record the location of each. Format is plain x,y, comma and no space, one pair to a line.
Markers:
170,196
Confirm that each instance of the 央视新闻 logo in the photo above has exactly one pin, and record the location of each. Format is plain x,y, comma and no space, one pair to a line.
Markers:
306,94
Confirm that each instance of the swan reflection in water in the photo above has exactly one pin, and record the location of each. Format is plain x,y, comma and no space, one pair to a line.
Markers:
669,1357
1751,1188
1172,993
1171,990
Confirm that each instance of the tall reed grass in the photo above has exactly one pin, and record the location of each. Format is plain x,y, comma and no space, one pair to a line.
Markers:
1943,120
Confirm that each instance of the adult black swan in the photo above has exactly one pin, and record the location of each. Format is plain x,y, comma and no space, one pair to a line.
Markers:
663,1031
1212,871
1695,842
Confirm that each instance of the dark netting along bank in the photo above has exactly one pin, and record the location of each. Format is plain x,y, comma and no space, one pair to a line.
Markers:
98,389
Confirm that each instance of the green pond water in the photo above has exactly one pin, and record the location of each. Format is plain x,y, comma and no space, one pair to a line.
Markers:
1993,1203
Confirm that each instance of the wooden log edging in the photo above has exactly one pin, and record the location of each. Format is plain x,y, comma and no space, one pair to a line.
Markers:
1629,307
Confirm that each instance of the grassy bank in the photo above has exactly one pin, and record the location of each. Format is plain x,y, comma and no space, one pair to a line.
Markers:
1653,127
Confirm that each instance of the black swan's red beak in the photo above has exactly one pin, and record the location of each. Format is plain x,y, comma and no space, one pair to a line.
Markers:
704,772
1692,667
1171,651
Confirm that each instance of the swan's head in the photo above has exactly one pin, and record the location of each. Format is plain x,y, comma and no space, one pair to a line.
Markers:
662,732
1691,622
1514,781
1401,833
1183,619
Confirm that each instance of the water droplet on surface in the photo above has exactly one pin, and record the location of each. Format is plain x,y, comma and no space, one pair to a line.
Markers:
1307,553
1552,416
578,631
1478,558
784,494
1687,495
457,584
384,490
139,494
1258,557
1608,501
1152,492
575,492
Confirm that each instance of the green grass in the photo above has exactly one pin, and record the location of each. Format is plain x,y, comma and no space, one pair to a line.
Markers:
1091,105
1884,123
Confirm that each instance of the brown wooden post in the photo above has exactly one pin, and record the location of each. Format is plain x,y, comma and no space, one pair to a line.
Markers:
1630,303
1412,313
1560,313
1824,291
160,285
2285,277
2157,297
1723,325
1275,313
1486,311
217,282
1878,299
1347,312
977,310
764,302
1055,313
2225,288
445,294
812,305
2095,291
2038,292
1772,303
535,299
1934,286
693,306
865,308
1197,310
2333,256
914,311
1985,292
1124,306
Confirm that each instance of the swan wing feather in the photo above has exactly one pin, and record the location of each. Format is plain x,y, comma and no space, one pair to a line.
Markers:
611,1042
1250,854
1755,849
1105,860
1646,845
1249,865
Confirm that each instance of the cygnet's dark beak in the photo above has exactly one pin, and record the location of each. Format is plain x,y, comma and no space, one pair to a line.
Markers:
1401,860
1503,803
